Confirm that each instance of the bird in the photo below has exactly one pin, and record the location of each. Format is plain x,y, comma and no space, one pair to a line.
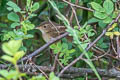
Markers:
50,30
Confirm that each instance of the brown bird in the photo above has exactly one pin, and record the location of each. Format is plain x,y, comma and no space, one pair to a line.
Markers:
50,30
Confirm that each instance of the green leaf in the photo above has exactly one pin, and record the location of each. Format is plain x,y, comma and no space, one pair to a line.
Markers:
35,6
13,25
97,7
73,1
19,55
9,8
100,15
8,58
13,75
3,25
115,14
90,34
28,3
11,47
61,55
32,15
90,54
7,49
4,73
13,17
52,46
84,45
114,0
59,44
61,4
107,20
102,24
109,6
27,25
53,77
28,36
72,50
64,45
39,77
103,45
93,20
2,78
14,6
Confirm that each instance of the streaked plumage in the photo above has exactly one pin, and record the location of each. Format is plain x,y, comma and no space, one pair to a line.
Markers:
50,30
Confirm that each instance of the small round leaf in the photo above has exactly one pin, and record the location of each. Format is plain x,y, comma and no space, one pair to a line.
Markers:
13,17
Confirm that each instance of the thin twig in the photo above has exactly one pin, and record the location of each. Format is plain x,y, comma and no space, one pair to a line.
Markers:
40,70
55,62
75,16
60,63
113,47
72,15
67,10
84,8
100,51
118,46
101,55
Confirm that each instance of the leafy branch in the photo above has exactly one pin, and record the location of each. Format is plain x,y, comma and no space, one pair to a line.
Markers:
73,33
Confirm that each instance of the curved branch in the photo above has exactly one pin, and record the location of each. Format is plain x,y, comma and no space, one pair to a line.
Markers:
43,47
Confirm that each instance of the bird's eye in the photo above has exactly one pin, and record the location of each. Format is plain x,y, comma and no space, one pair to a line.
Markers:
44,26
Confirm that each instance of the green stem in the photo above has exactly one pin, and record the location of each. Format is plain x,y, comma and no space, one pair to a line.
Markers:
17,69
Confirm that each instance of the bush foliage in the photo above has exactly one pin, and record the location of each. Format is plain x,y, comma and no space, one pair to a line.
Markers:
93,25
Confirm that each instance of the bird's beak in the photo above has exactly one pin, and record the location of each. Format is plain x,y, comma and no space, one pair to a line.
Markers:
36,28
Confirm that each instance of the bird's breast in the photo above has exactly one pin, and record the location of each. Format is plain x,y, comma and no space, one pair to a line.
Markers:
46,37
